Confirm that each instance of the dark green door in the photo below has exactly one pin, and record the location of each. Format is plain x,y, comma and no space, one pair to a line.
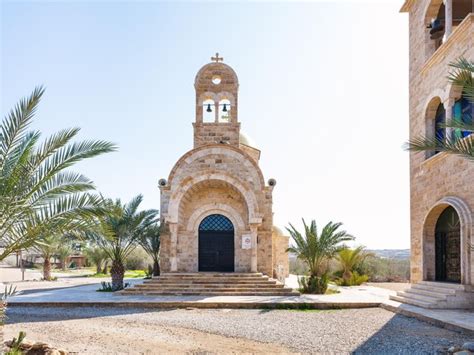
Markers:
216,244
448,247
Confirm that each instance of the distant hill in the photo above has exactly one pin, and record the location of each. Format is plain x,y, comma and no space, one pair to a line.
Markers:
391,253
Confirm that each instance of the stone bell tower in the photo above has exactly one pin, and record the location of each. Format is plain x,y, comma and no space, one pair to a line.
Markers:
217,87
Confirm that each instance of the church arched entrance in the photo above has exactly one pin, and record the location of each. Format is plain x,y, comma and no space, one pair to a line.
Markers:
448,246
216,244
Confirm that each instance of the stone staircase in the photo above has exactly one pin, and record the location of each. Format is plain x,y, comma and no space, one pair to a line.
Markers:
211,284
429,294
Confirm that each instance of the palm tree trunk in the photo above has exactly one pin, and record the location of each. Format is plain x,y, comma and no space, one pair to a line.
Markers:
156,268
98,268
47,269
117,272
106,265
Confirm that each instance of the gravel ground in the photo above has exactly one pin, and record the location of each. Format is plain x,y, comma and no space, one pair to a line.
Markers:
119,330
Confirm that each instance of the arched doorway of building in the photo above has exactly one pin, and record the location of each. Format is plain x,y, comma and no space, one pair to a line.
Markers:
448,246
216,244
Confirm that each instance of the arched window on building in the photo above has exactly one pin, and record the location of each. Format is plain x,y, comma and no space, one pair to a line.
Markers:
440,120
224,111
436,17
208,111
435,118
463,111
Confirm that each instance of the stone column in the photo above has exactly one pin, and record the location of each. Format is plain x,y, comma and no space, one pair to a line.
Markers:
448,108
448,26
253,259
173,246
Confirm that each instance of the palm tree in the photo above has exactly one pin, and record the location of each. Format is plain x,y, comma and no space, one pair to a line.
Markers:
461,76
150,242
119,231
63,252
97,256
47,246
38,195
350,260
314,248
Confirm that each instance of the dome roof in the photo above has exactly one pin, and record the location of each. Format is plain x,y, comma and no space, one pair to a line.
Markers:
278,231
245,139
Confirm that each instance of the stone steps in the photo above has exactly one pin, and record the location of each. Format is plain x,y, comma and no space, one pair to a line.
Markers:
211,284
220,286
429,294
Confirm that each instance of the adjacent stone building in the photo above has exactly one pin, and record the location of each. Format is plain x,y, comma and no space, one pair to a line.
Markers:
442,185
216,209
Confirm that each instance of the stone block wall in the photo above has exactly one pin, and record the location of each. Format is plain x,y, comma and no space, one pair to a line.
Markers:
440,176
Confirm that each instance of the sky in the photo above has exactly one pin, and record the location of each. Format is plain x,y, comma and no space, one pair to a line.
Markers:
323,93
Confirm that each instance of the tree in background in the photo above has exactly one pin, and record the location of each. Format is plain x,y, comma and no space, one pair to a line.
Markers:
47,246
150,242
118,233
97,256
38,196
315,249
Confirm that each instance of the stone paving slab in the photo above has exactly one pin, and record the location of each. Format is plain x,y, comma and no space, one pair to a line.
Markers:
453,319
349,297
87,295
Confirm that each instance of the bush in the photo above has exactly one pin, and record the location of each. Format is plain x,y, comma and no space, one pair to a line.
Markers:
355,280
313,284
137,260
107,287
387,270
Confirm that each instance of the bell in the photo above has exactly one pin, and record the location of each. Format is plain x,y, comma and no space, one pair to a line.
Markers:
436,29
209,109
225,108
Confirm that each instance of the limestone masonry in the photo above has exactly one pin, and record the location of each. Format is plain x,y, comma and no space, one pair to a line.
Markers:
216,208
442,185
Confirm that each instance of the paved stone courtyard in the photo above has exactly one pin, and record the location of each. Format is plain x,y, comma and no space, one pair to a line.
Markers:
125,330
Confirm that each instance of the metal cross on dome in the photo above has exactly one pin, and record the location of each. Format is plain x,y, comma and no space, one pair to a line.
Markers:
217,59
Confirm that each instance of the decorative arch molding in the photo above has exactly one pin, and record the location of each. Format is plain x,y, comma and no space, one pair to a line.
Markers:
454,92
429,225
208,95
438,93
229,150
226,95
177,193
214,208
431,10
210,67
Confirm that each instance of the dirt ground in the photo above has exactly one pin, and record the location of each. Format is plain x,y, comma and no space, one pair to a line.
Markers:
117,330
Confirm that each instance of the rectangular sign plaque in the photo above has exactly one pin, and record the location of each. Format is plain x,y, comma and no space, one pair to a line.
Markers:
247,241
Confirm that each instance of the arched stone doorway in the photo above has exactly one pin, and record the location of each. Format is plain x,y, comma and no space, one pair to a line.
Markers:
216,244
448,246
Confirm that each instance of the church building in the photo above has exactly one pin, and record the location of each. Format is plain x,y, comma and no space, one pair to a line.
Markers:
441,185
216,207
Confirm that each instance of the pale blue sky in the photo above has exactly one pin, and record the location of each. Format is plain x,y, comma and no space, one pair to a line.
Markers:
321,85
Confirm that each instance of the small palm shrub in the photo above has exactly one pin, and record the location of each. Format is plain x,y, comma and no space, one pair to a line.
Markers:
109,287
314,284
316,248
354,280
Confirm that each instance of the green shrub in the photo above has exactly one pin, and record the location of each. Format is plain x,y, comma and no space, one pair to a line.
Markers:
354,280
137,260
313,284
107,287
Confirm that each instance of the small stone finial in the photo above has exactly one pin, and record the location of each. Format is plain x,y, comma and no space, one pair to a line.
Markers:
217,59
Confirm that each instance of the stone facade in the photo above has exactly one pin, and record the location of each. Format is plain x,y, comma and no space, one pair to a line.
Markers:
220,176
438,180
